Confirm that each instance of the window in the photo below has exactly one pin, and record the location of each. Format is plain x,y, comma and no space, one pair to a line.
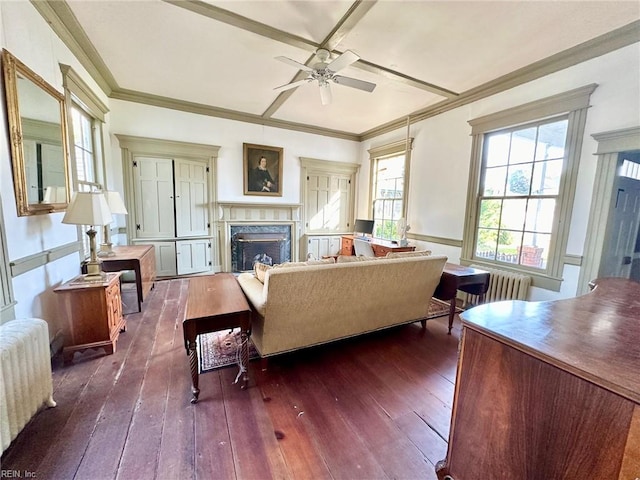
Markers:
388,200
388,195
519,190
86,114
524,169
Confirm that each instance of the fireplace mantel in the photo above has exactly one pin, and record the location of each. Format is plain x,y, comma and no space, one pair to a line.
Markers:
256,214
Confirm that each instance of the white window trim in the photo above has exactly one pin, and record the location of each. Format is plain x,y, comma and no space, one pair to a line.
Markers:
573,103
388,150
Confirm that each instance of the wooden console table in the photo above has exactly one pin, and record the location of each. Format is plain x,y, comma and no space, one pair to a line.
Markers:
380,247
466,279
549,389
215,302
139,258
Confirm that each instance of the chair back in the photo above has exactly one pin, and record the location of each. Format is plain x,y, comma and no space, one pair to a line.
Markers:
363,248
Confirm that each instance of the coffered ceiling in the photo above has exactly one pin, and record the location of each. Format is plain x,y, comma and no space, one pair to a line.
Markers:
218,57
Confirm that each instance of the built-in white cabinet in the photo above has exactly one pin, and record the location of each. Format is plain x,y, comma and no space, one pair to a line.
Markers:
171,200
328,195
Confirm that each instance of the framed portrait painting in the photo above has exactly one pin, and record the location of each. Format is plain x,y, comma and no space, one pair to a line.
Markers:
262,170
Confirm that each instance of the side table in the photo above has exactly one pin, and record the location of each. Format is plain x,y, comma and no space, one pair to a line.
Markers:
94,313
215,302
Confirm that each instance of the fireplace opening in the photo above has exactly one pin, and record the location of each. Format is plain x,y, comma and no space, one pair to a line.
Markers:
269,244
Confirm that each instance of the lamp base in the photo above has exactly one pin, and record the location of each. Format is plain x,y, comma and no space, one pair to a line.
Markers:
94,273
106,250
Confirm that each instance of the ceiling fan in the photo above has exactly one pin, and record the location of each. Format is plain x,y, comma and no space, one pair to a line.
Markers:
325,72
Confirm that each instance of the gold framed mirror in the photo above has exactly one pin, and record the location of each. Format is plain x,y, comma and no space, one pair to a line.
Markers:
38,137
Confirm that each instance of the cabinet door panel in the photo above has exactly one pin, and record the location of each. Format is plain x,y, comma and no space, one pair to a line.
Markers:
192,205
193,256
165,258
327,203
153,179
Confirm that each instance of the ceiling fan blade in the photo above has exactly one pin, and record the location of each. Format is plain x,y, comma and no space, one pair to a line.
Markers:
344,60
325,93
293,63
288,86
354,83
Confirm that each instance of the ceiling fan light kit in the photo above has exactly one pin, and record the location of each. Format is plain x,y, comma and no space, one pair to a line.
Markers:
324,72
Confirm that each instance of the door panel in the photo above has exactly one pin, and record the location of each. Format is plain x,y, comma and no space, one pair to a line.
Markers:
165,258
194,256
192,206
153,179
321,246
327,203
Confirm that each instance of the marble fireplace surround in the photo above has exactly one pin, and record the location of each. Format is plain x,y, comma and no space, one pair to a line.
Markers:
253,214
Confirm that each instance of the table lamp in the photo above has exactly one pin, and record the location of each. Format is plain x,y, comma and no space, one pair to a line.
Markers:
89,208
116,205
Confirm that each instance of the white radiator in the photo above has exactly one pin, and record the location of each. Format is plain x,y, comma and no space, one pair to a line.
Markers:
25,374
503,285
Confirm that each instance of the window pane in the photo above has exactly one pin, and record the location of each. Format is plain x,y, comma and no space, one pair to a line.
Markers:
546,177
508,243
523,146
535,249
494,181
519,179
513,212
388,191
490,213
540,214
551,140
497,149
487,243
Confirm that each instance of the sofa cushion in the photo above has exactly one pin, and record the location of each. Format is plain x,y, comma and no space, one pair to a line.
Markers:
260,270
418,253
324,261
353,258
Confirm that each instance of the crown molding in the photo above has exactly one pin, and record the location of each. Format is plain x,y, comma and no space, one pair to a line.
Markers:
200,109
609,42
66,26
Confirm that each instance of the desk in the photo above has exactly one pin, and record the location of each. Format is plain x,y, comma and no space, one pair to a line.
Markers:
139,258
380,247
466,279
549,390
215,302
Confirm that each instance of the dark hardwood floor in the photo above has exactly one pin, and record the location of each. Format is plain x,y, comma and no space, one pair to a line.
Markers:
377,406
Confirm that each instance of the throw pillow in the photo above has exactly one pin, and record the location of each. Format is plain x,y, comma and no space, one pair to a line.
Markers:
353,258
290,264
324,261
420,253
260,270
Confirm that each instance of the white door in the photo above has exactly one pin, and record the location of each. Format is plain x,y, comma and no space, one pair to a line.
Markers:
327,203
321,246
192,205
194,256
153,179
624,221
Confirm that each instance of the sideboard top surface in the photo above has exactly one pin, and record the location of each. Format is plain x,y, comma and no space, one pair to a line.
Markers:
595,336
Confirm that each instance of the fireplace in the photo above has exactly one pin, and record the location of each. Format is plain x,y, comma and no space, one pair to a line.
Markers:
269,244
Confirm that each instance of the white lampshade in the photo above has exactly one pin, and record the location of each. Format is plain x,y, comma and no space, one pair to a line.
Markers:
114,200
88,208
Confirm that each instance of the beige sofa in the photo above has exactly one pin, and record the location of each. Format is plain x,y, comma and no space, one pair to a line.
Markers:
307,305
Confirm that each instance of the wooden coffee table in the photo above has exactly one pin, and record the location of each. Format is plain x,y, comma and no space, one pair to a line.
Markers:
215,302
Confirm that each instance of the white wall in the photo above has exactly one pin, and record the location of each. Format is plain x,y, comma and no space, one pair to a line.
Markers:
442,152
29,38
148,121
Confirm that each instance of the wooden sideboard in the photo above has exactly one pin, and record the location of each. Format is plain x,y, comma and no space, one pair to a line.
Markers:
380,247
94,313
549,390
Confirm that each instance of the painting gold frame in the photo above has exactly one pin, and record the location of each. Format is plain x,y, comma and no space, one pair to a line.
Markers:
265,180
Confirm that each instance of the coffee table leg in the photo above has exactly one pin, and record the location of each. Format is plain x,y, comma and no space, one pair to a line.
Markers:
193,363
245,358
452,312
